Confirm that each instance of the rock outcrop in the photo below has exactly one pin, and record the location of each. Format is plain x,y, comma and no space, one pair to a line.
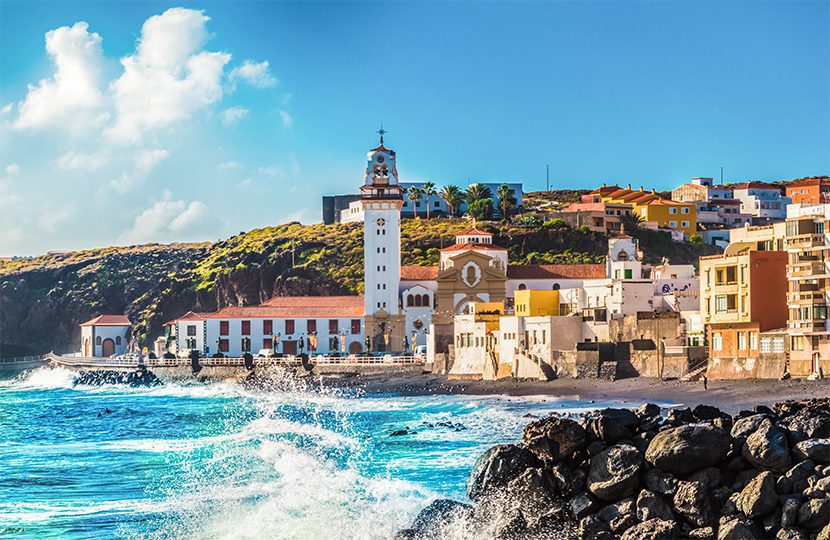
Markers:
637,475
100,377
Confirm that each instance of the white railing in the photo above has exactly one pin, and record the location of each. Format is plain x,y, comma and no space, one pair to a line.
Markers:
23,359
206,361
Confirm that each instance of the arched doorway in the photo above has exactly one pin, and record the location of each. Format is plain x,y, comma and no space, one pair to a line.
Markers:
355,347
108,347
86,348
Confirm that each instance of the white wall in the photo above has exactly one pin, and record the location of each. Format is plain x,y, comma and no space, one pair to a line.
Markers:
118,334
384,251
469,359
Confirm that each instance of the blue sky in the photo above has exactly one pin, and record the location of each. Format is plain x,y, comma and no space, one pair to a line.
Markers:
148,121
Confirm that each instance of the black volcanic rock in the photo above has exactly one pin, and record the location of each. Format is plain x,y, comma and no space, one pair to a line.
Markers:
688,448
497,467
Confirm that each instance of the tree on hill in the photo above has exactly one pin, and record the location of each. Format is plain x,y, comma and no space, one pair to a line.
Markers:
507,201
481,209
453,197
631,222
414,195
428,190
477,192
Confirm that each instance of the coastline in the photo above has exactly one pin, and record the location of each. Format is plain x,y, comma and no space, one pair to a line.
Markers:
728,395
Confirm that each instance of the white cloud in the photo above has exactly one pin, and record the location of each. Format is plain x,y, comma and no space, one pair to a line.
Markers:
12,169
74,90
230,165
80,161
169,78
248,182
146,160
255,74
124,183
281,170
169,219
233,115
287,120
50,220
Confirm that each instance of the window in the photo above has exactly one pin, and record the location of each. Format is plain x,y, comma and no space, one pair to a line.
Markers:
753,341
766,344
672,224
684,223
98,340
819,227
684,210
268,327
410,300
191,329
717,342
118,340
224,328
628,273
224,345
741,341
798,343
289,326
778,345
672,210
311,325
246,328
267,343
355,326
333,324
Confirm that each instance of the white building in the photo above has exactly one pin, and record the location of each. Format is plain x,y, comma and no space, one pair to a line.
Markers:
762,201
105,335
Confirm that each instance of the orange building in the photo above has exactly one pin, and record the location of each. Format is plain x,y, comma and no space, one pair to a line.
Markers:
810,190
651,207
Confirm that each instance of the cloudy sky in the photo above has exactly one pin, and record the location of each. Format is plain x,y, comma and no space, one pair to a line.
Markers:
125,123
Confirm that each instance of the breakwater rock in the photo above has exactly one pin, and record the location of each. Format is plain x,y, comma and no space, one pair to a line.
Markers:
650,474
100,377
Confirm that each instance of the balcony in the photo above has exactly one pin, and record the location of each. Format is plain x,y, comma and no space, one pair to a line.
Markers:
806,269
808,327
806,297
805,241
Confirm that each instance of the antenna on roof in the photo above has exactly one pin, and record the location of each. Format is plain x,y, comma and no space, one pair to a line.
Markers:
547,176
721,176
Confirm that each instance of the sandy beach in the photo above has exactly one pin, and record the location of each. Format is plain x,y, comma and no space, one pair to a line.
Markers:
728,395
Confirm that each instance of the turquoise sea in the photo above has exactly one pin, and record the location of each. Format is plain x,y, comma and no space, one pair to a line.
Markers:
219,461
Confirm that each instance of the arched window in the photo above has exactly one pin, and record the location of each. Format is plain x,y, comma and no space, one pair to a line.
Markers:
622,255
98,340
522,286
426,299
118,340
409,300
418,300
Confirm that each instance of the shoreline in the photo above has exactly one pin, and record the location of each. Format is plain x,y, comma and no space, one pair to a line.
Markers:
728,395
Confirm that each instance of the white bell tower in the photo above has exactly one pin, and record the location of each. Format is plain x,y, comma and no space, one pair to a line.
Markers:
382,200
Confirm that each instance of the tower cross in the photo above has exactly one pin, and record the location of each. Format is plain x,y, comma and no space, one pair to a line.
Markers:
381,132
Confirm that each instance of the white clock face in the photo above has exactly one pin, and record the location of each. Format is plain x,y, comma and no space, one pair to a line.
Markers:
381,222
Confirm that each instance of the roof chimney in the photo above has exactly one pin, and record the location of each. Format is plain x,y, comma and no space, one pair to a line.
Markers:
629,187
641,188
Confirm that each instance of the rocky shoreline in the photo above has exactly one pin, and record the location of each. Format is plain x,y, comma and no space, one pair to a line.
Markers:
650,474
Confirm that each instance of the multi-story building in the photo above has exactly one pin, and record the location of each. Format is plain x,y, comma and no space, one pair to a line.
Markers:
666,214
741,295
808,273
599,216
700,189
764,202
809,190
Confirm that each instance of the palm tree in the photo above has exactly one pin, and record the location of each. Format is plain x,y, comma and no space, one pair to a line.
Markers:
414,195
477,192
453,197
428,190
506,200
631,222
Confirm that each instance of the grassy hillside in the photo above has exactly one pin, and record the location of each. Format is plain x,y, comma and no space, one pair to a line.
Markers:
42,300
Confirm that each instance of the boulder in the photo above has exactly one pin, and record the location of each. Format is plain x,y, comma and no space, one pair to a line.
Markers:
692,501
582,505
767,448
789,512
648,410
653,529
511,526
738,528
745,426
614,473
688,448
795,479
438,515
593,527
758,497
554,438
817,450
814,514
651,505
498,466
706,412
624,417
660,482
620,515
809,423
709,477
791,534
824,534
608,430
532,493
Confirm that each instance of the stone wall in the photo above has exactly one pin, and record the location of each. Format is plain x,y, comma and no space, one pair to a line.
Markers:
768,366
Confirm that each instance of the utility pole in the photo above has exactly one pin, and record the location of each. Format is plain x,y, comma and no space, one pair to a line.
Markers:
721,176
547,176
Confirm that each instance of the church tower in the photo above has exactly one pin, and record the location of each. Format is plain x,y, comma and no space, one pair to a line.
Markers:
382,199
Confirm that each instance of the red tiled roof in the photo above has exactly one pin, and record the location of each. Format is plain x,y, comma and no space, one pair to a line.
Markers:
475,232
756,185
604,190
462,247
108,320
553,271
419,273
189,316
295,306
809,182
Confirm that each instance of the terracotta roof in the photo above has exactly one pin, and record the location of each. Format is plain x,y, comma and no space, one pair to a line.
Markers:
295,306
419,273
809,182
604,190
462,247
756,185
384,149
189,316
108,320
474,231
554,271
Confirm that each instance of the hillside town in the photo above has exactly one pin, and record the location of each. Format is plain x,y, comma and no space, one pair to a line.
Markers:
756,310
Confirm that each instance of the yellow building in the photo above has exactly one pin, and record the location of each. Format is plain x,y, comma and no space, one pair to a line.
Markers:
667,214
534,303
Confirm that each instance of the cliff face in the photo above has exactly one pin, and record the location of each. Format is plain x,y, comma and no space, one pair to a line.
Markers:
43,300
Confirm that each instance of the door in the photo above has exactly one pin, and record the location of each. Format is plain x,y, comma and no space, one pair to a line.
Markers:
108,347
86,348
289,347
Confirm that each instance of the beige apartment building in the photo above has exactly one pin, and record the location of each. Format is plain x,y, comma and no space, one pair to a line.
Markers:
808,276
